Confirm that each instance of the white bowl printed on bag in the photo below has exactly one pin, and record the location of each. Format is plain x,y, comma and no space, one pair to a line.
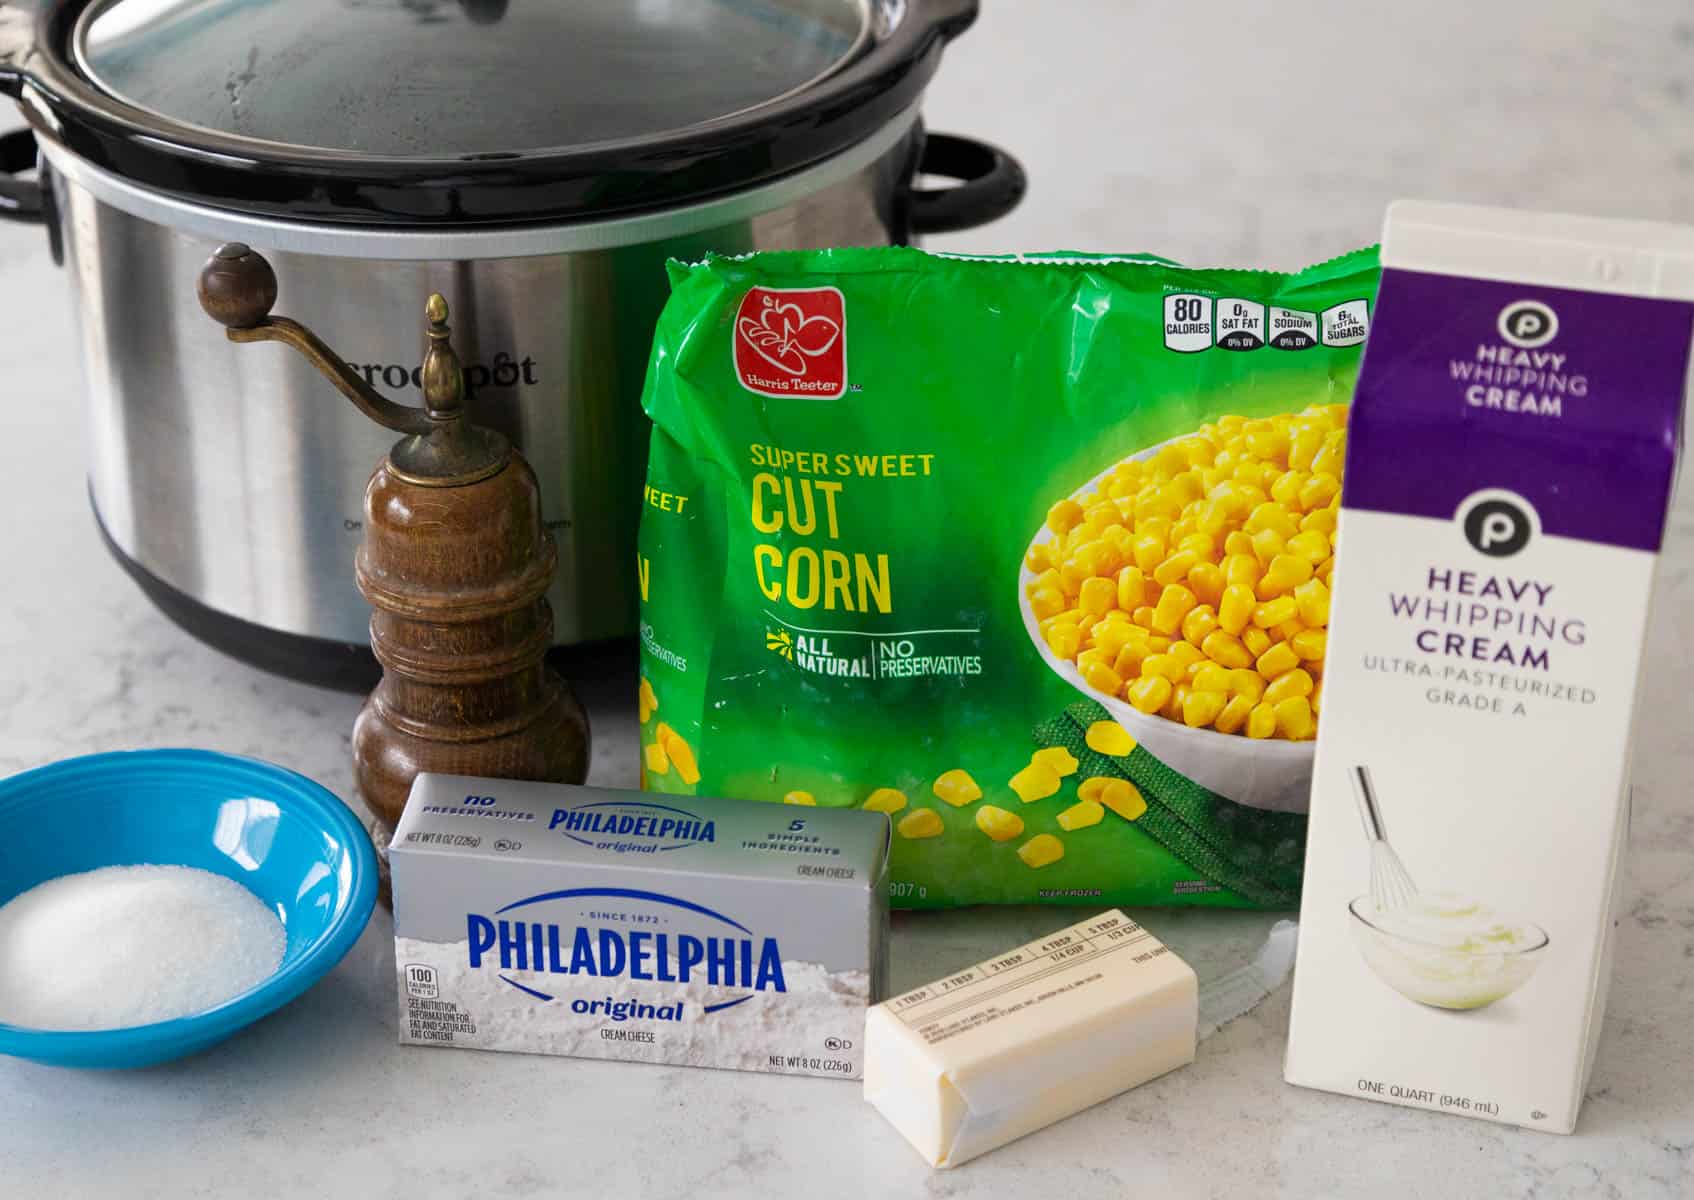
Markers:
1260,772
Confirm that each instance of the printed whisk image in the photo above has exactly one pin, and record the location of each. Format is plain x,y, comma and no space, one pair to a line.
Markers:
1443,949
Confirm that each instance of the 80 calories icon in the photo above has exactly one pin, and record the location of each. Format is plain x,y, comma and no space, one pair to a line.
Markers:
1188,323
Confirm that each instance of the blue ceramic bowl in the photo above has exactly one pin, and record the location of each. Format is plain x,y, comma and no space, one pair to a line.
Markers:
287,840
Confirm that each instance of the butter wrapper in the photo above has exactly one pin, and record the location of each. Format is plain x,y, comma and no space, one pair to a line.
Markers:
977,1059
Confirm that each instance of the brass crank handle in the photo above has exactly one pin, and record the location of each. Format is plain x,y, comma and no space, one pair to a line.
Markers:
237,288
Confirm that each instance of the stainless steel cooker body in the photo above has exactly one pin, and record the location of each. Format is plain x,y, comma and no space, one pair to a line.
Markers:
230,484
235,479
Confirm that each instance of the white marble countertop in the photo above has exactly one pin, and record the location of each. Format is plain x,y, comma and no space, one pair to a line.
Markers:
1203,133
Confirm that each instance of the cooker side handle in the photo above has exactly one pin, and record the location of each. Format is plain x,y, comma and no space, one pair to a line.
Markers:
29,201
20,199
951,17
992,183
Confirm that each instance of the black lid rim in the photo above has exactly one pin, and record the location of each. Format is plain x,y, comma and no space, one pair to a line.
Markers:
606,179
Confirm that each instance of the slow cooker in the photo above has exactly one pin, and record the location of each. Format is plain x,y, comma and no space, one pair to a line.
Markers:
535,161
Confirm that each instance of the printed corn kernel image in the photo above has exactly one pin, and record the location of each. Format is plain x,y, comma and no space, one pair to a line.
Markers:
885,800
683,757
678,751
1123,798
1188,566
999,824
920,823
1035,782
1056,759
1109,738
805,799
956,787
657,761
1081,815
1041,850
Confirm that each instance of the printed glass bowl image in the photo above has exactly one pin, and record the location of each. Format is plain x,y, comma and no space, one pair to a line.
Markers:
1446,976
1268,773
289,841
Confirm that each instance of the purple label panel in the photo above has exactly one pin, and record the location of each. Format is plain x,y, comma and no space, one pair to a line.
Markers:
1570,399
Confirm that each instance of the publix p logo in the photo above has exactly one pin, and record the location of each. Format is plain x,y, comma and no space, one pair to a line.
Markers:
1528,324
1497,522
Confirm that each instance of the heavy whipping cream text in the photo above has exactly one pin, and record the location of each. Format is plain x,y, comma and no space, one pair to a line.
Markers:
1507,379
1487,618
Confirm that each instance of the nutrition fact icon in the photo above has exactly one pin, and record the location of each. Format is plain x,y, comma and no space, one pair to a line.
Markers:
421,982
1344,325
1194,323
1240,324
1188,323
1291,329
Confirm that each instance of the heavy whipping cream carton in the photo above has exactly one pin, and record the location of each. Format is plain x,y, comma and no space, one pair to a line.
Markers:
605,924
1511,454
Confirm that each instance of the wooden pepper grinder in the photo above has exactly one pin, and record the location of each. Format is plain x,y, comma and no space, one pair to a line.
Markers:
455,563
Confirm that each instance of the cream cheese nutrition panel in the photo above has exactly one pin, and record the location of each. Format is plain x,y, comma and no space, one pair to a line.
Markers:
978,1059
1510,459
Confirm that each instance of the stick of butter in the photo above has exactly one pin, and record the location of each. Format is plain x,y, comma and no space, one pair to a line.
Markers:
973,1061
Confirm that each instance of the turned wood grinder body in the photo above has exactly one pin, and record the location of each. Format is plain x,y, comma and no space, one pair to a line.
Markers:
455,562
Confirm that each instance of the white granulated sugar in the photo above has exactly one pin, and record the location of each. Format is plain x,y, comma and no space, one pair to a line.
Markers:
125,946
818,1005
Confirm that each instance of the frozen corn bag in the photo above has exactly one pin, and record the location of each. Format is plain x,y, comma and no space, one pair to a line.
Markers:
1031,554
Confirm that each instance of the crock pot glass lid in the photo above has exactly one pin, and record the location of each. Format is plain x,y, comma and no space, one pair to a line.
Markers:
446,78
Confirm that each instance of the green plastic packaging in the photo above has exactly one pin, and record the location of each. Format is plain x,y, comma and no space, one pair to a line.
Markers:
854,451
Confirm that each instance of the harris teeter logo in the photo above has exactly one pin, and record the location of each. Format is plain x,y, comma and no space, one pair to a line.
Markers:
792,342
631,826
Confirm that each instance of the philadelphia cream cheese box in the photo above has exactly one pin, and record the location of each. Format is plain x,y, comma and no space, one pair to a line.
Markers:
604,924
1512,449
